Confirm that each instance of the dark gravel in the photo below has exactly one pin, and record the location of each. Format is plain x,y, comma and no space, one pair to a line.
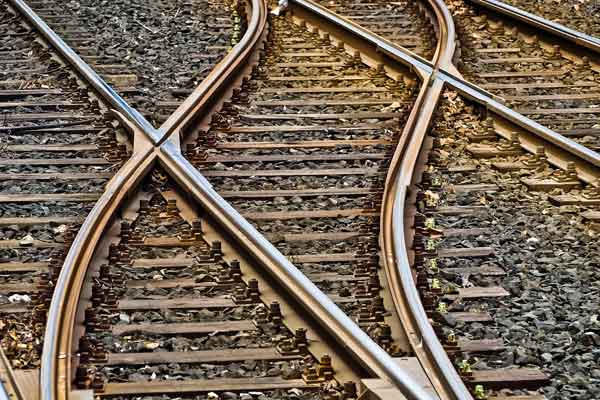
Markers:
550,321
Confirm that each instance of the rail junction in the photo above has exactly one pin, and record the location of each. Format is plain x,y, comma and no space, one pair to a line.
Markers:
215,199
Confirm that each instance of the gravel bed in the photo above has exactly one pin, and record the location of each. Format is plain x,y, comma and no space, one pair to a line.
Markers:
135,293
34,187
26,255
40,169
174,371
137,342
51,155
55,138
549,253
47,233
298,203
293,182
46,209
318,247
156,252
296,152
340,268
183,315
159,273
308,225
252,166
153,42
291,394
325,134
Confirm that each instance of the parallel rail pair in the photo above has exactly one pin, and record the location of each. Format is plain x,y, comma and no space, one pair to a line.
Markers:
162,145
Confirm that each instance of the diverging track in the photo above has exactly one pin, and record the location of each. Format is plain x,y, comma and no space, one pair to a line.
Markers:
325,158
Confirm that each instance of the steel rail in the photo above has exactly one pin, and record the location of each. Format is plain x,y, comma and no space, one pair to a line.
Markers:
56,363
395,225
554,28
394,228
446,45
86,72
168,154
55,370
219,77
304,291
447,74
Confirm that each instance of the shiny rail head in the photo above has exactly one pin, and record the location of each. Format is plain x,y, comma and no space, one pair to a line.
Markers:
564,32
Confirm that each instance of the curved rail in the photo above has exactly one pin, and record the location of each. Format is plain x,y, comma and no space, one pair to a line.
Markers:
447,35
56,363
55,370
55,379
394,227
220,76
579,38
396,222
449,75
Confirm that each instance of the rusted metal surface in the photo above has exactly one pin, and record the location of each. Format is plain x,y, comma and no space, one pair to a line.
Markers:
56,365
536,21
57,369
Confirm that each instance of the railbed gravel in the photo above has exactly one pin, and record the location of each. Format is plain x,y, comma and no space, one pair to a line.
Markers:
153,39
549,253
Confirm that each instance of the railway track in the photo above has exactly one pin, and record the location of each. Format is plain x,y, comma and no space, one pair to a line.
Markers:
410,25
582,17
59,147
309,258
172,313
542,77
153,59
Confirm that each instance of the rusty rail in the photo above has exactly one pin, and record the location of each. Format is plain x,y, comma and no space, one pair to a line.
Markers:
446,35
394,227
448,74
566,33
56,369
396,222
56,363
